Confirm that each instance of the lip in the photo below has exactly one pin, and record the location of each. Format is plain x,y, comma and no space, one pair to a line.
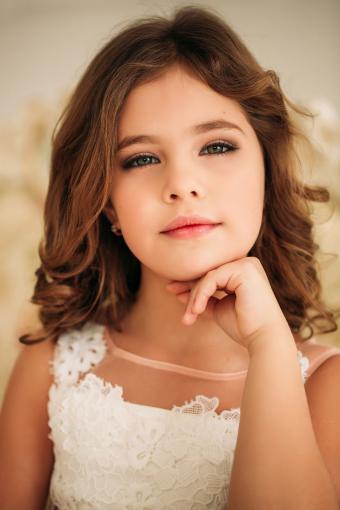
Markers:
190,231
187,221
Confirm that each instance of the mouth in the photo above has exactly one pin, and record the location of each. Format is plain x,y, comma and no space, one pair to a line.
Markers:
188,221
187,231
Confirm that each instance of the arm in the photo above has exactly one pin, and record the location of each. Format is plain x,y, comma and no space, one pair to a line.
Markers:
277,463
26,453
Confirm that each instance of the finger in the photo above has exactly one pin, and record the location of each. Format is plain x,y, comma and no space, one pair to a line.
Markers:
208,310
188,318
186,289
184,297
195,304
203,294
191,300
200,294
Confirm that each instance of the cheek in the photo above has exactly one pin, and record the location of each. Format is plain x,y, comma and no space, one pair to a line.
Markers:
243,196
242,186
133,207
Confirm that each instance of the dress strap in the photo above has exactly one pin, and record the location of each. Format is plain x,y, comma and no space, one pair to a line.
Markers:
76,352
317,353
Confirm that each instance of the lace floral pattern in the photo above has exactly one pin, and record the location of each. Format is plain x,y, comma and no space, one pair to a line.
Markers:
76,352
114,454
304,365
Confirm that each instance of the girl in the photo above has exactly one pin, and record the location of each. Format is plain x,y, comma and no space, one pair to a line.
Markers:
177,282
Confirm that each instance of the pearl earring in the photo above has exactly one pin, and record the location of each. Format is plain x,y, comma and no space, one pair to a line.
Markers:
116,230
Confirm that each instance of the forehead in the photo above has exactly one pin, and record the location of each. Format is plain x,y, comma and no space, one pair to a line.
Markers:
176,98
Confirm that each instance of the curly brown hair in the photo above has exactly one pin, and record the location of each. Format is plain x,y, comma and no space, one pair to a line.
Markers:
86,273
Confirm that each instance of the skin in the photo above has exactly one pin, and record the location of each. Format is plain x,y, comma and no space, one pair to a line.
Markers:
181,177
277,462
276,428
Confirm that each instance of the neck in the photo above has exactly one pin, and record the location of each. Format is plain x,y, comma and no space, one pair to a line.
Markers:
154,320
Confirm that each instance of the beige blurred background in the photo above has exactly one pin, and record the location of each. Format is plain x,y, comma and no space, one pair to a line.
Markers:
45,46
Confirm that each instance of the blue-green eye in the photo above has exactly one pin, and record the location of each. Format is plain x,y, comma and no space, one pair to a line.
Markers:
140,160
226,147
145,159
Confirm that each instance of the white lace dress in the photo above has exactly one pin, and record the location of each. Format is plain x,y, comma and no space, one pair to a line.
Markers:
114,454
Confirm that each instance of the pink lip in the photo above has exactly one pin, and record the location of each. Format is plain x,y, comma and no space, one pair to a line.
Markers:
184,221
190,231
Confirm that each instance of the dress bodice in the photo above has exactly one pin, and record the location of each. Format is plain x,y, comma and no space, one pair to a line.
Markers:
112,453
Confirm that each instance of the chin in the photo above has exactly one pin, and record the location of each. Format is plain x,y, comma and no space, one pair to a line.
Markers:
184,269
184,274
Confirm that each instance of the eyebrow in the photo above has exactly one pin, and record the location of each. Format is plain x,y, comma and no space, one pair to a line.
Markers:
196,130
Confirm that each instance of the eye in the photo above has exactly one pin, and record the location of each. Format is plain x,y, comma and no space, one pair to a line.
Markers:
219,147
140,160
226,147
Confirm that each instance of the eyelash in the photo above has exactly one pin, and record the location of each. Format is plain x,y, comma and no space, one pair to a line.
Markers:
231,147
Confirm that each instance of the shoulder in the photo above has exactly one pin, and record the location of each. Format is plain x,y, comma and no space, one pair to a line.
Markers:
35,358
324,374
77,350
30,374
38,365
317,355
323,396
26,392
323,371
26,454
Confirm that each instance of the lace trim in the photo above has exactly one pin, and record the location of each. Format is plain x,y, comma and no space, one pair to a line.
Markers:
205,405
77,351
200,405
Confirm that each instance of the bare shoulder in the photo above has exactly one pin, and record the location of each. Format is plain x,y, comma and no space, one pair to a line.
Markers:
323,395
31,376
26,452
326,378
319,355
32,363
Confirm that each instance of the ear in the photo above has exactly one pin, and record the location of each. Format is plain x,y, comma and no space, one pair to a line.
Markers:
110,212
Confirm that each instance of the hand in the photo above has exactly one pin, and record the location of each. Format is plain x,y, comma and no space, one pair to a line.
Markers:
249,308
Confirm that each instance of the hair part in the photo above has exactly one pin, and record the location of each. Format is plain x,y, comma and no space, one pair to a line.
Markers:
86,273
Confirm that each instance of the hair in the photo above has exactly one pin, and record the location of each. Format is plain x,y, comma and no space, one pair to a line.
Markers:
87,273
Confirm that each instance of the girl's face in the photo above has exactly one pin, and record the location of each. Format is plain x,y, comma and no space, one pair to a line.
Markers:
177,169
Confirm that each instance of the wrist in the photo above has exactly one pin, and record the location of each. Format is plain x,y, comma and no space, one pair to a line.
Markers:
271,337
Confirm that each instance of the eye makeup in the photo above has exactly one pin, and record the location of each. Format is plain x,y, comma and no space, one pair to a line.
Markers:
140,160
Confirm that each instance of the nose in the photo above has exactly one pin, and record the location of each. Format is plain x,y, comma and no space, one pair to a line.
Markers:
181,184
